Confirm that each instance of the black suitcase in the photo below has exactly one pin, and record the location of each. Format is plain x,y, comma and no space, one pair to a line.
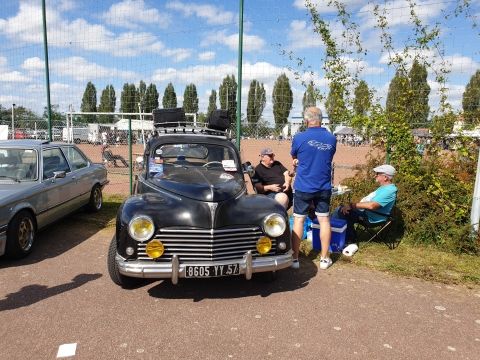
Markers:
169,117
219,120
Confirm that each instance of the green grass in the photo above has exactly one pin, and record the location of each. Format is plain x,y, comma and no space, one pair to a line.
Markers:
424,262
106,216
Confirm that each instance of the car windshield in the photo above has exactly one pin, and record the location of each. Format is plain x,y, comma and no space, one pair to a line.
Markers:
206,156
18,164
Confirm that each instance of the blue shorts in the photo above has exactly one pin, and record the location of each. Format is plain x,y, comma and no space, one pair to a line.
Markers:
320,201
271,195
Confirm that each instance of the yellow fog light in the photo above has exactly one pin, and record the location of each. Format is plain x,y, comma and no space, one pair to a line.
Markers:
264,244
155,249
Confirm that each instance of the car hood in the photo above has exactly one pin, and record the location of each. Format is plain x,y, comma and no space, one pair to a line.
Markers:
201,184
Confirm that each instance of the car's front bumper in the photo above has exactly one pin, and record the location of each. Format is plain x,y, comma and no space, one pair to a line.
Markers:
174,270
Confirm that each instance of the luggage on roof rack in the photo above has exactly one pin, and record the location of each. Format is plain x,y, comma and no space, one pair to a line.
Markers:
219,120
169,117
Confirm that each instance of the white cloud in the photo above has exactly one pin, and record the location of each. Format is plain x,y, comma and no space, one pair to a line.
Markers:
322,5
397,12
177,55
13,76
212,14
301,36
206,56
80,69
26,27
131,14
250,42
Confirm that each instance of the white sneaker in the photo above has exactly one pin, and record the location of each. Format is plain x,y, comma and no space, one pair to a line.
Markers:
295,264
325,263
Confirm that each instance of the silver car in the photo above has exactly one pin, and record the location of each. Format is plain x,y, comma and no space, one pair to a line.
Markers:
41,182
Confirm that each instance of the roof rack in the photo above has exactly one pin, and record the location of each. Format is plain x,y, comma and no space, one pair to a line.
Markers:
188,128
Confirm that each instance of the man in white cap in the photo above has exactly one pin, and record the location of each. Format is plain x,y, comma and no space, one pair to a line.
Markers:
381,201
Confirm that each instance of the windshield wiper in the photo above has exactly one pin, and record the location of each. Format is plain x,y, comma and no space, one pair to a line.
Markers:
10,177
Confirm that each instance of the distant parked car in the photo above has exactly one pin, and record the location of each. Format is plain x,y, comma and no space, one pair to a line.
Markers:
41,182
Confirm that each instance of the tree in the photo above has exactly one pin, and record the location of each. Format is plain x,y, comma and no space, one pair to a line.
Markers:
151,98
140,96
127,98
362,101
227,94
256,101
89,102
419,91
169,100
56,116
398,98
212,102
471,100
282,99
309,97
190,99
335,104
107,104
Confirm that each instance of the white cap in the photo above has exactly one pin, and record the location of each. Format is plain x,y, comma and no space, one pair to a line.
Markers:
385,169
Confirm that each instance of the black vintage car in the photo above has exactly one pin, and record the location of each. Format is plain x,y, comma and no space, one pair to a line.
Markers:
191,216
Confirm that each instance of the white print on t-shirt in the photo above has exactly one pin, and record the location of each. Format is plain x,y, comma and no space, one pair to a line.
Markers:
319,145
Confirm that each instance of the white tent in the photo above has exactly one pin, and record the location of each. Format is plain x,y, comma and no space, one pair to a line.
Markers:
139,125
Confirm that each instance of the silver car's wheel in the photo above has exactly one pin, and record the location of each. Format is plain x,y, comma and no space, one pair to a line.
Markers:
20,235
96,199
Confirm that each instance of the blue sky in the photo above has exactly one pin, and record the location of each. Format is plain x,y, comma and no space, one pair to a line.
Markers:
113,42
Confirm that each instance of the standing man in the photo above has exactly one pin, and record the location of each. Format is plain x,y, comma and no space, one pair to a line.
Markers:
272,178
312,153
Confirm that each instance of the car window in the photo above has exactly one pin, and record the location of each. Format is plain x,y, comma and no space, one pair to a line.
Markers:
53,160
206,156
18,164
75,158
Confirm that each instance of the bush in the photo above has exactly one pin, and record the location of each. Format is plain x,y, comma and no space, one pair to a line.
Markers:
434,200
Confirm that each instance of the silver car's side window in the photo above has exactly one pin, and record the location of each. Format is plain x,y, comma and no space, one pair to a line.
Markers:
75,158
53,160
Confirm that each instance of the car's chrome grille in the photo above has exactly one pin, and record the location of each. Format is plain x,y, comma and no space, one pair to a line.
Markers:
207,244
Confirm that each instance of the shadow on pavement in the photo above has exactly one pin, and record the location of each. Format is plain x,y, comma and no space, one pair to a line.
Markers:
31,294
236,287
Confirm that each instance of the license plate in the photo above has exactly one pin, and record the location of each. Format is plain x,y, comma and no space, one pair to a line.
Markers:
212,271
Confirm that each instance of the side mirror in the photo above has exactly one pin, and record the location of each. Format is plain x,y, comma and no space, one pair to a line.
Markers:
59,174
248,168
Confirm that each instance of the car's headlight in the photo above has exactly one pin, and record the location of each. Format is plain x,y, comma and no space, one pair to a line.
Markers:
141,228
274,225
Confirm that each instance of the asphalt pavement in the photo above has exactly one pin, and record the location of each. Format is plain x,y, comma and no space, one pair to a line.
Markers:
60,301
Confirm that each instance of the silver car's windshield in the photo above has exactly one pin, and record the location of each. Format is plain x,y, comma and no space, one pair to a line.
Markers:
18,164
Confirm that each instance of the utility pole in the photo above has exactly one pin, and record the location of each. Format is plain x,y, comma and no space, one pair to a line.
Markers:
13,121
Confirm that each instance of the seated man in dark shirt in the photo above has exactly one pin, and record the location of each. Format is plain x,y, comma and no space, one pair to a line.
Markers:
273,179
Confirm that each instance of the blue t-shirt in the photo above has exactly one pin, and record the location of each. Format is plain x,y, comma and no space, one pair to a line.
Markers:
314,149
385,195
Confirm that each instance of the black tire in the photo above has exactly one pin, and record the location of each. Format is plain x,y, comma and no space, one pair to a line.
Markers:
21,235
96,199
119,279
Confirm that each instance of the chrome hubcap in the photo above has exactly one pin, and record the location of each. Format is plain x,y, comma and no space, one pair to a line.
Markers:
97,197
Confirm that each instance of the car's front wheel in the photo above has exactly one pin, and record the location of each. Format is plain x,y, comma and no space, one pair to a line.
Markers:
96,199
117,278
20,235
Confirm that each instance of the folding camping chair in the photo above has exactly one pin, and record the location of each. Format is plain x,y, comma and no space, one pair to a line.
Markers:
380,229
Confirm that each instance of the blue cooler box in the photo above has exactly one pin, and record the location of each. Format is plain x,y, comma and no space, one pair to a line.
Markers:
339,229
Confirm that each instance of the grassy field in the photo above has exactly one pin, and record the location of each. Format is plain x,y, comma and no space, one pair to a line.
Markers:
426,263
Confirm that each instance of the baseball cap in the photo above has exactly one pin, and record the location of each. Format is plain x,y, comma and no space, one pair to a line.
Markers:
385,169
266,151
